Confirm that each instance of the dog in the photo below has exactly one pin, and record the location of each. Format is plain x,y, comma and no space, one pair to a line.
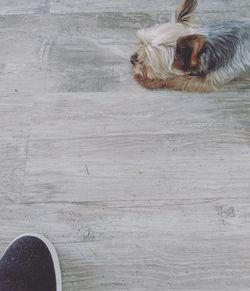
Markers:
183,56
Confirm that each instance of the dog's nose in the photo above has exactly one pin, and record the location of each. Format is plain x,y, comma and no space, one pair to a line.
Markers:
134,59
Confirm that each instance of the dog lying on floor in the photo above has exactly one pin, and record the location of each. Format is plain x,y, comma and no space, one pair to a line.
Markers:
182,56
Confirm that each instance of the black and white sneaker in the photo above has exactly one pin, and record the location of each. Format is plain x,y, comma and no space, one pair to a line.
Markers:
30,263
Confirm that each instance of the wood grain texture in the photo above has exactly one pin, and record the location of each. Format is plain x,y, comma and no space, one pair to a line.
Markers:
19,7
15,124
99,145
72,6
142,245
138,190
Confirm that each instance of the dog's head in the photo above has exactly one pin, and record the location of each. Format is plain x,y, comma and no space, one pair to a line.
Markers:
154,57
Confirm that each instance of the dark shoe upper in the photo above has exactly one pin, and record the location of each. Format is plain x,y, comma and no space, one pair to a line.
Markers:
27,265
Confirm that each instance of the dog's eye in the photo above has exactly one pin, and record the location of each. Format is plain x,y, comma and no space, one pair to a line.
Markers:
186,52
202,51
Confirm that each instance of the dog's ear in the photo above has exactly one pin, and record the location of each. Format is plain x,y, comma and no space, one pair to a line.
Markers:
197,44
184,12
188,51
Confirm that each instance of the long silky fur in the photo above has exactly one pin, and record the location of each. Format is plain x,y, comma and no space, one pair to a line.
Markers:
227,54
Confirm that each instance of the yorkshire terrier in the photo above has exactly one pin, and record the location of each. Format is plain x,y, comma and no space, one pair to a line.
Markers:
182,56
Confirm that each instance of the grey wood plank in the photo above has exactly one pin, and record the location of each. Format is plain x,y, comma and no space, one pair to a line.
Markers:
138,146
71,6
15,122
12,168
15,116
46,53
17,7
86,115
143,245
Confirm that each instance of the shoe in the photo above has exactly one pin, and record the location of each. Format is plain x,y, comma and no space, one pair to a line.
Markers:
30,263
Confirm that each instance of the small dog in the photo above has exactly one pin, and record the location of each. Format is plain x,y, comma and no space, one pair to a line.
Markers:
182,56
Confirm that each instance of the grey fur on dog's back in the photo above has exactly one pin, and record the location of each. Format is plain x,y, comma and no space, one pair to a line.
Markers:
225,43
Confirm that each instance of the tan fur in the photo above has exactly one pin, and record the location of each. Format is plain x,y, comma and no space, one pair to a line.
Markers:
190,84
179,83
195,43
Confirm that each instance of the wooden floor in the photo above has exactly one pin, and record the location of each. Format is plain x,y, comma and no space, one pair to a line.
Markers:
138,190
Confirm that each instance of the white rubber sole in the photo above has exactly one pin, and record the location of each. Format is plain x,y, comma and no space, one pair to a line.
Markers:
53,254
